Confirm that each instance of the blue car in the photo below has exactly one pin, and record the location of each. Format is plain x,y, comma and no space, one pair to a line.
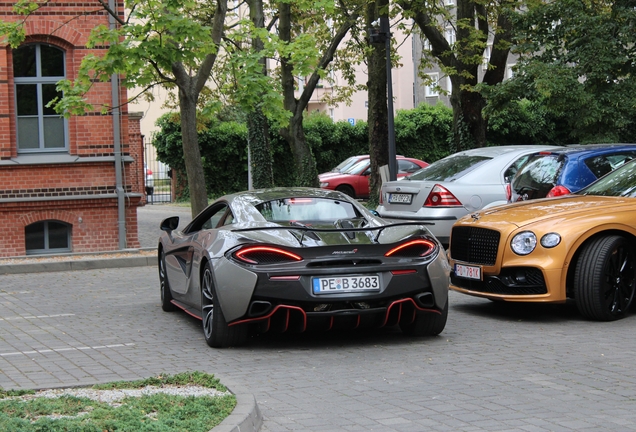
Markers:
566,170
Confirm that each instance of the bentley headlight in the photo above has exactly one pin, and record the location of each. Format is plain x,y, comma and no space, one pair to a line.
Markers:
524,243
550,240
324,184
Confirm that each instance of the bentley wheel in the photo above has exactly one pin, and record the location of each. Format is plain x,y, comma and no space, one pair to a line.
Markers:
426,324
605,278
347,190
164,286
215,329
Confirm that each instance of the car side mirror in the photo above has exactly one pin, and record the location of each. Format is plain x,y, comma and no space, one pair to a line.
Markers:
170,224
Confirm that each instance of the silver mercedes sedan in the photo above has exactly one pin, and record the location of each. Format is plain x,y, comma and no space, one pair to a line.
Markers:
454,186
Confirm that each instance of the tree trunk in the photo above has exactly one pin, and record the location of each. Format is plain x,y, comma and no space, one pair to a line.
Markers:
191,152
257,127
306,173
378,109
260,151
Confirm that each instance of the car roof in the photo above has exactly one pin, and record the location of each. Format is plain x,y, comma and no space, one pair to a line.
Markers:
582,149
498,150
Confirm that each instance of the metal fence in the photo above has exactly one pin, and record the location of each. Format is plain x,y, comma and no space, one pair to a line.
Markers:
158,181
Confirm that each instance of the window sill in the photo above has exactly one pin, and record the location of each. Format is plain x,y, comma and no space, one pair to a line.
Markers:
57,158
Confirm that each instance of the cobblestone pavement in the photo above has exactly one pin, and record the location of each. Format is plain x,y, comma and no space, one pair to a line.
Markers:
495,367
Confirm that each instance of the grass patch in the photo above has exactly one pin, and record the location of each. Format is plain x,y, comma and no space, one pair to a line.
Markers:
184,402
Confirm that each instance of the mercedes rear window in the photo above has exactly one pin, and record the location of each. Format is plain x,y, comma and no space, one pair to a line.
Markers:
450,168
306,209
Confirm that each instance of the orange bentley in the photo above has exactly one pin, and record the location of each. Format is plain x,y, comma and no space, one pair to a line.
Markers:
580,246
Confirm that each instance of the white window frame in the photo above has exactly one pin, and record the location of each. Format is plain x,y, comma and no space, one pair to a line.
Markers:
450,36
39,81
431,90
509,72
487,53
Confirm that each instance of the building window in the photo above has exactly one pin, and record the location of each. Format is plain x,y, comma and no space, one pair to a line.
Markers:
47,237
36,71
510,70
487,52
449,34
432,88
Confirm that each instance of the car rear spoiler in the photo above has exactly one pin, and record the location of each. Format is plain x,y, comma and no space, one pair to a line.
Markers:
305,229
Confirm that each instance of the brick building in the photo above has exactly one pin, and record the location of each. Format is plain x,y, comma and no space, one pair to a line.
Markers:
66,185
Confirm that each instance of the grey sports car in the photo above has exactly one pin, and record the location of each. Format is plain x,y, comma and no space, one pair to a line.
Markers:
299,259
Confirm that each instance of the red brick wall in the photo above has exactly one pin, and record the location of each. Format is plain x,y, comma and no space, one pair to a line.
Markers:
80,193
94,227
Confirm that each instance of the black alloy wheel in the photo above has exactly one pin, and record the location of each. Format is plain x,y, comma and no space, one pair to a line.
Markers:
605,278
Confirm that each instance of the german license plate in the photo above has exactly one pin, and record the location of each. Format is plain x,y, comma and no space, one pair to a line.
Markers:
345,284
468,272
400,198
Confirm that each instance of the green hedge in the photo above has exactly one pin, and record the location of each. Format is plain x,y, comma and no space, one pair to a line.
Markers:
422,133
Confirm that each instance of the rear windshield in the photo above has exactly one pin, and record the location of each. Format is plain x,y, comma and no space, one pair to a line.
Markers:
538,176
345,164
357,167
307,209
450,168
619,183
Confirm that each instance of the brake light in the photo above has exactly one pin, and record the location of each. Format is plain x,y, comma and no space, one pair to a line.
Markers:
558,191
381,197
265,255
441,197
413,248
508,192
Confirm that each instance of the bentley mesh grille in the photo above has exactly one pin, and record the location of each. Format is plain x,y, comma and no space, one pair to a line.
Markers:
474,245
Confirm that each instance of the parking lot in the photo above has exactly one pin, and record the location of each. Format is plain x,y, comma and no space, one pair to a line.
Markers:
495,367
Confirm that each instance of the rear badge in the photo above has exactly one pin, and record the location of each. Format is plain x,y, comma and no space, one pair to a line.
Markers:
475,216
344,252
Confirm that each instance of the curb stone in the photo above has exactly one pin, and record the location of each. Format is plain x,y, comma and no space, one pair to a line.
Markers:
246,416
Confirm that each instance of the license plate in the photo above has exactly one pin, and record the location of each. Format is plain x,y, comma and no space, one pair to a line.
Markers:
346,284
399,198
468,272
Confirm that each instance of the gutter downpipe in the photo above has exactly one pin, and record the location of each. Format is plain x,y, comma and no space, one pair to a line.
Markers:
116,114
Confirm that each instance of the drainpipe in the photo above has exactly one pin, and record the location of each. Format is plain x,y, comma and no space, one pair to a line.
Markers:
119,188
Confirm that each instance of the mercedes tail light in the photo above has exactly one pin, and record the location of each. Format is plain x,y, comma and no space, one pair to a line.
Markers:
558,191
508,192
413,249
264,255
441,197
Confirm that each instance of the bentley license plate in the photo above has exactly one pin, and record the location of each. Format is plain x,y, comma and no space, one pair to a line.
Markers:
346,284
400,198
468,272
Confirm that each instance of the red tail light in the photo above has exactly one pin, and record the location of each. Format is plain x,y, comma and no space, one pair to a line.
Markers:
558,191
441,197
381,197
265,255
413,248
508,192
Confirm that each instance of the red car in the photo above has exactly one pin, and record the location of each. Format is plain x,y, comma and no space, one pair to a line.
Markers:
353,180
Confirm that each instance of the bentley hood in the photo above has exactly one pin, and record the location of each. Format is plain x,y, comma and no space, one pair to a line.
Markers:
540,210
